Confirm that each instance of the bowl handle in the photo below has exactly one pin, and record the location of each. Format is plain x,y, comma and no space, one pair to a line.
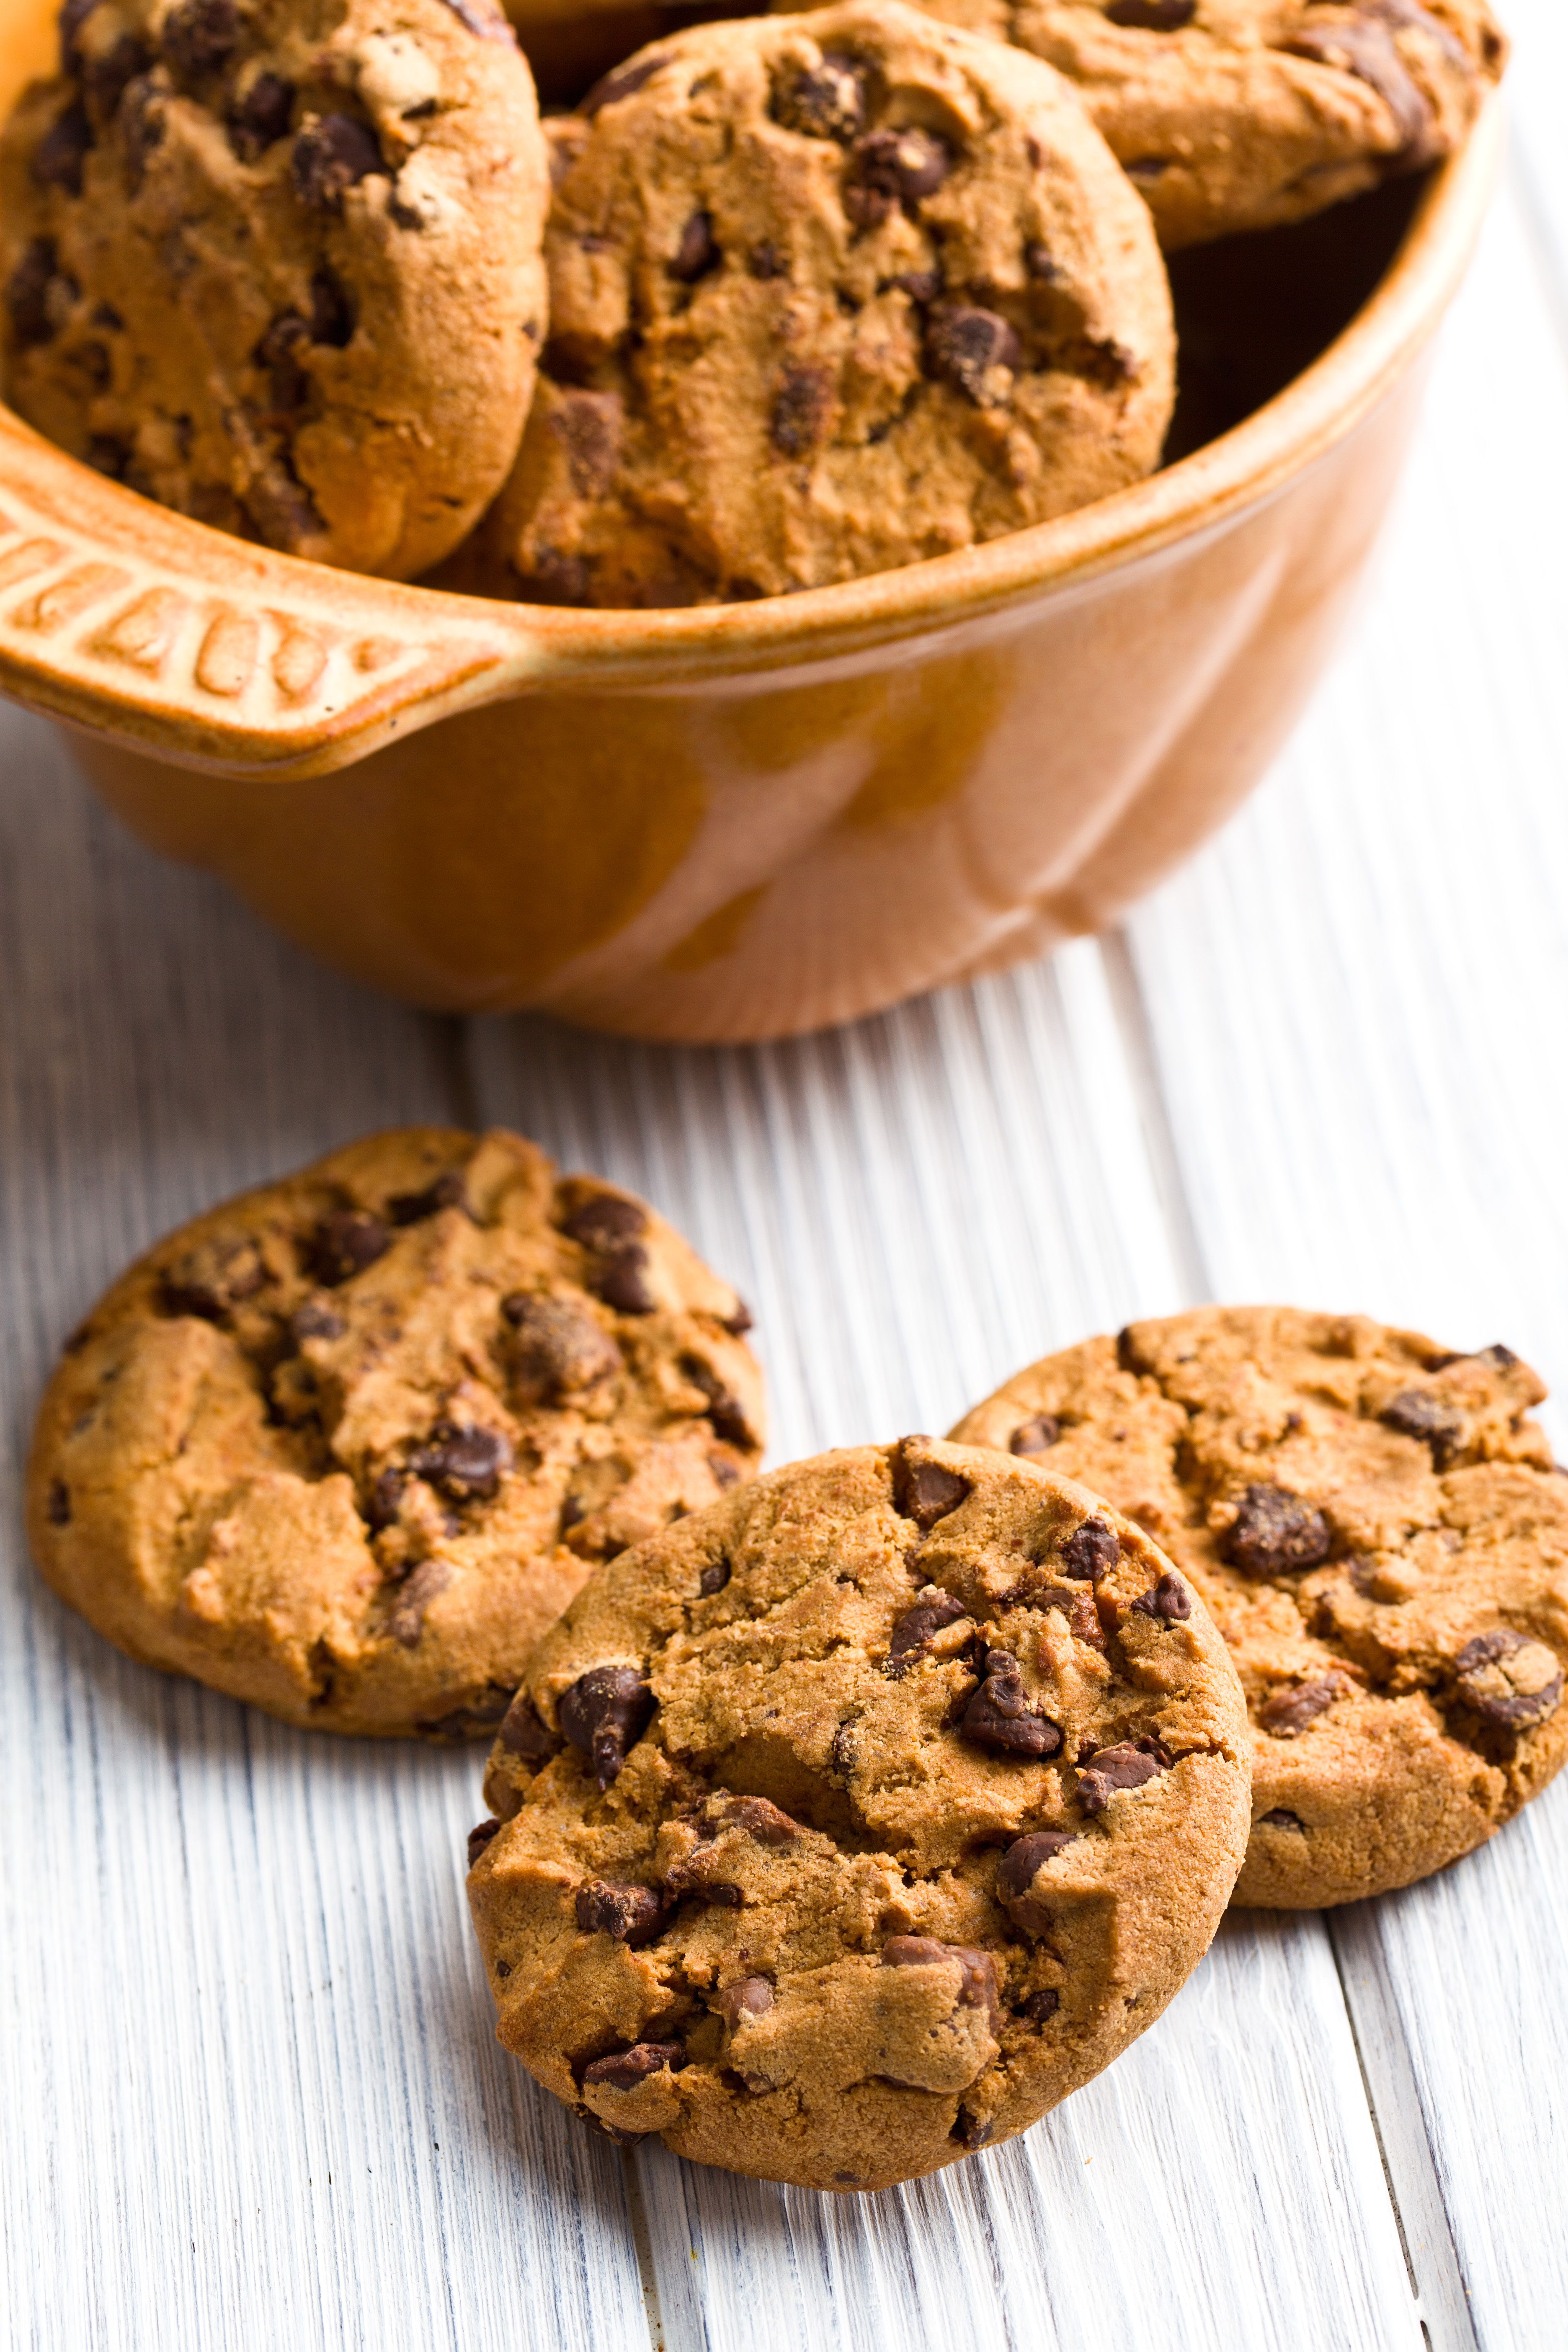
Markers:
153,631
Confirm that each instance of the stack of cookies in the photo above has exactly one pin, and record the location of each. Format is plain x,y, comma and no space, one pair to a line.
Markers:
844,1819
815,295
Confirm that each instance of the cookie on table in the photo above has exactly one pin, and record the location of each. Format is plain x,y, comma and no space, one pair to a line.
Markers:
1245,114
850,1824
829,296
277,263
1377,1526
345,1446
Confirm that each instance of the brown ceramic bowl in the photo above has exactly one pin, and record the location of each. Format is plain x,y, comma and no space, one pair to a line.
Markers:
742,820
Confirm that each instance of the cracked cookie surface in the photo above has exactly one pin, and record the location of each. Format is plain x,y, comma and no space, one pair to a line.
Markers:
852,1823
278,264
827,297
346,1445
1245,114
1377,1527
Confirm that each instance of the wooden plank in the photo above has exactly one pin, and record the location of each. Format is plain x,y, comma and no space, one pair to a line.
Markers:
1355,1003
914,1206
245,2055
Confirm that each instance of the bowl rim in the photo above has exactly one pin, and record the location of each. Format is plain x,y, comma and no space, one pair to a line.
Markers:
348,663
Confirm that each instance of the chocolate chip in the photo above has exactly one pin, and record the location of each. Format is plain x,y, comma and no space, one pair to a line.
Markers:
604,1714
406,1623
623,1281
589,426
971,2131
975,352
466,1464
1034,1436
1416,1412
801,407
765,261
1041,2006
1287,1713
632,1915
1098,359
714,1578
742,1322
387,1498
200,36
924,1491
73,15
106,79
1090,1551
1359,44
314,1321
890,167
282,509
1166,1601
1129,1764
1152,16
697,253
344,1244
331,321
998,1717
685,1879
915,1628
331,156
263,116
279,352
1508,1679
827,100
619,84
211,1278
977,1969
483,19
748,1996
557,1348
27,294
478,1838
62,151
524,1732
1276,1534
1500,1358
605,1221
919,284
1279,1819
623,2070
60,1503
725,1410
726,1470
761,1819
1016,1874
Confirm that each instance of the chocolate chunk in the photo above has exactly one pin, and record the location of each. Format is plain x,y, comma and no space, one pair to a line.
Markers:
1500,1358
632,1915
971,2131
282,509
1041,264
761,1819
697,253
924,1491
525,1733
977,1969
211,1278
1508,1679
106,77
1166,1602
263,116
1040,2006
618,85
589,426
623,2070
748,1996
801,407
623,1281
279,352
919,284
1276,1534
998,1715
1098,359
60,1503
1287,1713
727,1472
332,322
483,19
558,1350
1034,1436
914,1629
314,1321
605,1222
975,350
1279,1819
1416,1412
604,1714
1090,1551
27,294
62,151
387,1498
344,1244
1129,1764
478,1838
1016,1876
714,1578
725,1410
331,155
1360,45
200,38
693,1879
406,1623
890,167
466,1464
1152,16
823,102
765,261
742,1322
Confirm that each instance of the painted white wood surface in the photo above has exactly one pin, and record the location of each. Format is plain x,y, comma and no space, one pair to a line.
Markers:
250,2094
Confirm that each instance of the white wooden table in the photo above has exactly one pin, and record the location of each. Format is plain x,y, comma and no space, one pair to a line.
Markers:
248,2093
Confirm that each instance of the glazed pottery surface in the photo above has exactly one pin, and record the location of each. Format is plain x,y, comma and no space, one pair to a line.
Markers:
738,822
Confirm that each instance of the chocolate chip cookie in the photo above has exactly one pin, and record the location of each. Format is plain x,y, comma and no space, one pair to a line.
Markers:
850,1824
1244,114
345,1446
277,263
829,296
1378,1527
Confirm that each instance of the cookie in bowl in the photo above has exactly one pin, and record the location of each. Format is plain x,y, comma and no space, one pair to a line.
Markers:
829,296
1377,1525
277,264
850,1824
346,1445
